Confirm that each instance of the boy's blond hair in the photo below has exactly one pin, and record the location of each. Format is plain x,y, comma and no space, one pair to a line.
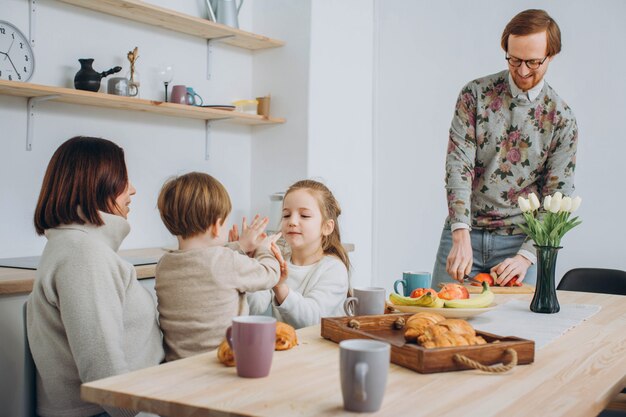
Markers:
190,204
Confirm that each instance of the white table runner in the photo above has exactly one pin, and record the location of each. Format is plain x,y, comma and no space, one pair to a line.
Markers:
514,318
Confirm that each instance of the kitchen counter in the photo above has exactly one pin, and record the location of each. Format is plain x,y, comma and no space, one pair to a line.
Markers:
20,281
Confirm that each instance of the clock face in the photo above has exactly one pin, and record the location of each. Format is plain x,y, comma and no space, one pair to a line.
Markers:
17,62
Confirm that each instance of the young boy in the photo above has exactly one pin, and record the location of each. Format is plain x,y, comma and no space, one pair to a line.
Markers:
201,286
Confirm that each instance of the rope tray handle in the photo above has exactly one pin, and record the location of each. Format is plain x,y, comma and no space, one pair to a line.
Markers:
498,368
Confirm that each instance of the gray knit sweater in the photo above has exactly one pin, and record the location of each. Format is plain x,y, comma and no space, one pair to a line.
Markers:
88,316
201,290
502,147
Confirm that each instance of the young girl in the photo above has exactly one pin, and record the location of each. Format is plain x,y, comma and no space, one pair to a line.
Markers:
316,281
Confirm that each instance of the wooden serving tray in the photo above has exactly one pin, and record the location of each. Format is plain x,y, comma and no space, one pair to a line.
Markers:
418,358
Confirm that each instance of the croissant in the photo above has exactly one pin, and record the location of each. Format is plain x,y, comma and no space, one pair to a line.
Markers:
286,338
417,324
225,354
450,333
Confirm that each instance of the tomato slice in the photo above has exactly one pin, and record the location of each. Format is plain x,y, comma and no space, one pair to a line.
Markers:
483,277
418,292
513,283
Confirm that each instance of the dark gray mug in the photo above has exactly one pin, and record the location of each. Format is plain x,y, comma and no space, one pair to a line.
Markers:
363,366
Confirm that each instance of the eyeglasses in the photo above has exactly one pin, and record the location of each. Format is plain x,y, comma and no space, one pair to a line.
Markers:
532,64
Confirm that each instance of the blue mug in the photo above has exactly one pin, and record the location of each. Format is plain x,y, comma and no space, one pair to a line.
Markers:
412,280
193,98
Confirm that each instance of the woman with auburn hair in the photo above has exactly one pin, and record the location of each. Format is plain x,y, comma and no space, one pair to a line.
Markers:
88,316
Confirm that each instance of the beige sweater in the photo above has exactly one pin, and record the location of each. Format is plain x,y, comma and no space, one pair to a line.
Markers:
200,290
88,316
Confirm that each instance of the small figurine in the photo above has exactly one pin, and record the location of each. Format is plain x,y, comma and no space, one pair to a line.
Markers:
133,56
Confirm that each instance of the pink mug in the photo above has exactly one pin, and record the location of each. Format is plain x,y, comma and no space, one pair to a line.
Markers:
253,339
179,94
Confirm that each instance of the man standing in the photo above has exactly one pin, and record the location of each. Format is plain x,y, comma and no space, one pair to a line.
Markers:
511,135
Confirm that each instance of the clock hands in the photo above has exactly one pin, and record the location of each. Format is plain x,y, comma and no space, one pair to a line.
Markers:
7,56
9,50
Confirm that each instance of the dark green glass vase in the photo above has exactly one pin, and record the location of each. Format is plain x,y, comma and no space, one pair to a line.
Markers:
545,300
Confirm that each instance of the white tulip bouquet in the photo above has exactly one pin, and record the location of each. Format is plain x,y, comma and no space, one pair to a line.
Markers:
552,226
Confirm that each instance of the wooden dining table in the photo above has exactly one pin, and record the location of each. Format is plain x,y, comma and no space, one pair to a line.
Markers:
575,375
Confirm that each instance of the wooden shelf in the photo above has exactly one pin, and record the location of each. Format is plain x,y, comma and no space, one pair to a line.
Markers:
139,11
88,98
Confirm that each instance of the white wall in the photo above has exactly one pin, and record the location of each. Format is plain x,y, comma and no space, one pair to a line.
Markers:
155,146
426,52
325,92
340,118
280,152
404,61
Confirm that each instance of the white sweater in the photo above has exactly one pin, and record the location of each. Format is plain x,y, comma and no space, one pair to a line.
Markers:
88,316
315,291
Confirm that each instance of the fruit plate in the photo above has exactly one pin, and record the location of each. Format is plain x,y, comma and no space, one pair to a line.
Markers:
389,328
449,313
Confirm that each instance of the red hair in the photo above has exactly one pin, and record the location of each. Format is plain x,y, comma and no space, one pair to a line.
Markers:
533,21
84,172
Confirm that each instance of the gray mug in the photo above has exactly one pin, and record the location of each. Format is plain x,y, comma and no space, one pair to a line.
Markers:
363,366
366,301
121,86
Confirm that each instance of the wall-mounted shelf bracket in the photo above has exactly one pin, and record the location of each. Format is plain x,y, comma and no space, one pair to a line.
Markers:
31,16
209,52
207,138
30,118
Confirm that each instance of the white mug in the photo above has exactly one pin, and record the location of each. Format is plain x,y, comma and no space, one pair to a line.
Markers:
366,301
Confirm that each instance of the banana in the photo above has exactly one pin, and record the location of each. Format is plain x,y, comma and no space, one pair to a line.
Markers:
426,300
436,303
482,300
399,300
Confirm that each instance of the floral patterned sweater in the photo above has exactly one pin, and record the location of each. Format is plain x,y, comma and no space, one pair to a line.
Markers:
502,147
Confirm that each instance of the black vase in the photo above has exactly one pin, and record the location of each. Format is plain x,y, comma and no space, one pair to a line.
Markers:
544,300
89,79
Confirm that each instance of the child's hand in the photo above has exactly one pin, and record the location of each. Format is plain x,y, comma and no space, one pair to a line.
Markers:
233,234
281,290
281,261
253,235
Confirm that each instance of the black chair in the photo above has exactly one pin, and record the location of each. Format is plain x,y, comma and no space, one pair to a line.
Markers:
598,280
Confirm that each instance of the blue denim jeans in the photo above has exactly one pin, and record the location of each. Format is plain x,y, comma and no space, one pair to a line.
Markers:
488,250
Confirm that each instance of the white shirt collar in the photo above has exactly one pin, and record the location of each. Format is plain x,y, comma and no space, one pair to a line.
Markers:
530,95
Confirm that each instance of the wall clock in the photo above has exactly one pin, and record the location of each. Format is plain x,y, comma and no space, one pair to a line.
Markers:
17,61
